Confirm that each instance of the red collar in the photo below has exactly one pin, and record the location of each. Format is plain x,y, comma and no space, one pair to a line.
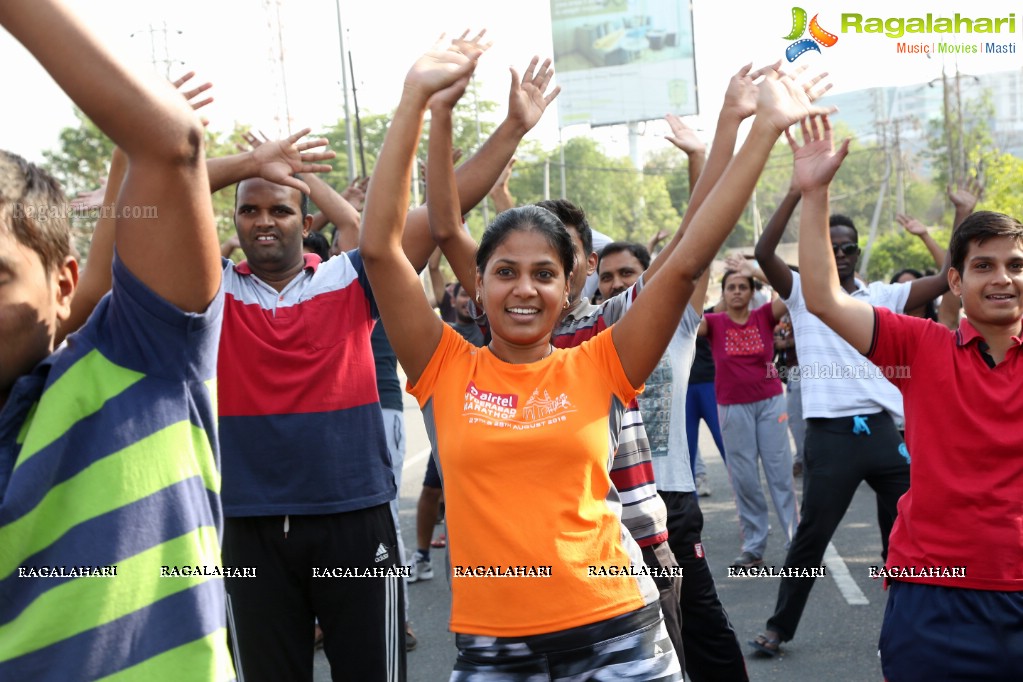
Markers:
967,333
312,261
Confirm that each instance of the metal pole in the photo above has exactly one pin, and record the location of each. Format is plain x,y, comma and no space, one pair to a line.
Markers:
358,121
344,86
479,139
561,152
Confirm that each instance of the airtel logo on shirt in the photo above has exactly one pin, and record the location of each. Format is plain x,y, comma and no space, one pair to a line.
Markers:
499,399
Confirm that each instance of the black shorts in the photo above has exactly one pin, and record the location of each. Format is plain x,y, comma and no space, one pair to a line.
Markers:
432,478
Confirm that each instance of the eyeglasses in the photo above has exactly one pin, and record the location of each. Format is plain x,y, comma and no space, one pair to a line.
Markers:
847,249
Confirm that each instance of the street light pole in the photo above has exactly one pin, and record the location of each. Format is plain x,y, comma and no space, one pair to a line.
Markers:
349,135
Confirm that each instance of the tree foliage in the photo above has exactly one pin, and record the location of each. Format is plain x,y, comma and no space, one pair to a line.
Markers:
894,251
83,157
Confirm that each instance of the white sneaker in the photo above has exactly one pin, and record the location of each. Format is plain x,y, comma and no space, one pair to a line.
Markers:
422,569
702,486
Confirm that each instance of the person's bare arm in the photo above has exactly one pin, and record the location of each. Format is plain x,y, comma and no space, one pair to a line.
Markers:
918,229
436,289
656,240
948,310
740,103
230,245
175,253
925,289
336,210
527,101
777,271
412,327
778,308
95,280
644,332
816,162
274,160
964,198
745,266
499,193
441,188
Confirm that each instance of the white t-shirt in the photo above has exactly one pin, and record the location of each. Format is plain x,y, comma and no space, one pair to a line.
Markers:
663,405
600,240
837,381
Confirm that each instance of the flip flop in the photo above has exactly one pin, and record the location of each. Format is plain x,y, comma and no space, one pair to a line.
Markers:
766,645
441,541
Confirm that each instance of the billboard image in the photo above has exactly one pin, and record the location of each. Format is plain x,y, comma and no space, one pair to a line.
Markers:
623,60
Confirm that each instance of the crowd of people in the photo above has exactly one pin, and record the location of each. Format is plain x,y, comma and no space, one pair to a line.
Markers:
239,426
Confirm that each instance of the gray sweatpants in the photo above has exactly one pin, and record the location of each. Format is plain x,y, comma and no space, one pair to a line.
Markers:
753,431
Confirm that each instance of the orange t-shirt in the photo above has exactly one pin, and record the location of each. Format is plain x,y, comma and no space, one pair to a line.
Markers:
524,453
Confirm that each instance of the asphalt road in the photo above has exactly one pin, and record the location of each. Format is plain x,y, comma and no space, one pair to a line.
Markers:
837,637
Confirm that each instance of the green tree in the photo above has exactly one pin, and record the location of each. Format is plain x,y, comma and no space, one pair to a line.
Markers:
970,133
1001,192
81,161
894,251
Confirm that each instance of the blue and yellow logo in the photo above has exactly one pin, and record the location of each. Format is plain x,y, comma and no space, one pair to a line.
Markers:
817,35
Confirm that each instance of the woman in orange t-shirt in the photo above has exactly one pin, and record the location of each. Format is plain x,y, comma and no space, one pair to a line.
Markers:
545,580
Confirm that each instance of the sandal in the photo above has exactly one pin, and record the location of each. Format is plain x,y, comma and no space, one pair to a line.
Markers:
767,646
440,542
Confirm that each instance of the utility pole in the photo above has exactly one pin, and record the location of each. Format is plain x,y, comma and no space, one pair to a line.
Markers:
349,138
166,61
949,138
479,138
883,190
959,120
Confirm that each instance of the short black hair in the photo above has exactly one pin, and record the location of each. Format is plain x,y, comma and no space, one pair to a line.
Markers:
303,202
316,243
637,250
905,271
571,215
978,227
839,220
33,209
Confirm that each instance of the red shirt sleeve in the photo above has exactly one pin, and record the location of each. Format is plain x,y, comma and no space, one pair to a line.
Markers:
895,343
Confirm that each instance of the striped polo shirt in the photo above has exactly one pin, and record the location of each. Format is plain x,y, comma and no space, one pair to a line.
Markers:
301,430
108,478
632,469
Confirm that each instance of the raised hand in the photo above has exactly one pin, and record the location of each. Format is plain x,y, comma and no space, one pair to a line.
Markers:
781,101
442,67
965,196
737,263
684,137
658,237
526,100
85,201
449,96
190,95
816,161
911,224
505,176
355,193
279,160
741,94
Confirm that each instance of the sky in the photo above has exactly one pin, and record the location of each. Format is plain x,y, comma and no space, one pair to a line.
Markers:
229,43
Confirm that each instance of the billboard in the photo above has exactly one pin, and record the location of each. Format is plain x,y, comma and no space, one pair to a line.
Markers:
623,60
